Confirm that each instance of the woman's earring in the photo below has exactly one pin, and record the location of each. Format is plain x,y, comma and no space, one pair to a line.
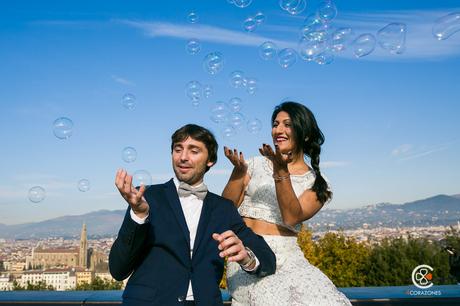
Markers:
306,139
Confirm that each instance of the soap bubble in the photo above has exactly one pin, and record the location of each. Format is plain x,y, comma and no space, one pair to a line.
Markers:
193,90
242,3
392,37
228,131
237,79
129,154
63,128
195,103
446,26
259,18
363,45
249,24
327,11
237,120
287,57
340,38
234,104
142,177
193,46
213,63
293,7
129,101
267,50
309,49
83,185
36,194
325,58
219,112
207,91
192,17
316,32
254,126
251,85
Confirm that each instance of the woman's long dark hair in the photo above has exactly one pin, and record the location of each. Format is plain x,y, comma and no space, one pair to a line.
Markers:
308,138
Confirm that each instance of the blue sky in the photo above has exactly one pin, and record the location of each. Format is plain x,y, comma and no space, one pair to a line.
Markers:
390,121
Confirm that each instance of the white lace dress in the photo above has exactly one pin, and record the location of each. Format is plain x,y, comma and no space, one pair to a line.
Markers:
296,281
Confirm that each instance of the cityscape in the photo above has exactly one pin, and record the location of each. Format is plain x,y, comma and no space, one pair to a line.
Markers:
65,263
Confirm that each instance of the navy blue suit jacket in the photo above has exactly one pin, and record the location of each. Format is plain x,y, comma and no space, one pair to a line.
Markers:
157,254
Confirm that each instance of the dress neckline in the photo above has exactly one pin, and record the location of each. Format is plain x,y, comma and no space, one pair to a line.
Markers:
269,164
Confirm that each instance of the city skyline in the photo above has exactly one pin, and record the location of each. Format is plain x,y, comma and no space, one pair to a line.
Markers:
390,120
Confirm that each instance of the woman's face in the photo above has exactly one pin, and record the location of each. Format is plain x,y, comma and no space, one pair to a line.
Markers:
283,133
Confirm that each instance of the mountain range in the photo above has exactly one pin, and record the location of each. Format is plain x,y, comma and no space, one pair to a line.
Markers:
436,210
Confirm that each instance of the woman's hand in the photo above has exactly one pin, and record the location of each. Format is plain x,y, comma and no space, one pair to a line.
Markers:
237,160
280,160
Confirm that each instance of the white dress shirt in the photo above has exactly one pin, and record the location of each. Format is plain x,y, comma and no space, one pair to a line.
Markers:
191,206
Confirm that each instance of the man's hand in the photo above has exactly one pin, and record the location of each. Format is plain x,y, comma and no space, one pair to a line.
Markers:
134,197
230,245
237,160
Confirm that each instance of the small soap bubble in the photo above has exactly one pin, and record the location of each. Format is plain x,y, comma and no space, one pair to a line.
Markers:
63,128
83,185
251,85
309,49
340,38
207,91
237,79
364,45
219,112
267,50
129,154
327,11
234,104
228,131
249,24
193,46
37,194
192,17
129,101
287,57
259,18
193,90
213,63
237,120
242,3
254,126
142,177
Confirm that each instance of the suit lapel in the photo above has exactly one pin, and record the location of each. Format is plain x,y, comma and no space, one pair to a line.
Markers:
173,200
204,221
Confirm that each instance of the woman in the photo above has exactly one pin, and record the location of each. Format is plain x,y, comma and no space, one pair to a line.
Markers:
274,194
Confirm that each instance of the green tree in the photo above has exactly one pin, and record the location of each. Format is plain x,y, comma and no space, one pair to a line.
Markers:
100,284
40,286
391,263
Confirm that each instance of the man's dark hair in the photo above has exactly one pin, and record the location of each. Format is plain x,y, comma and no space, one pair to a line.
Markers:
198,133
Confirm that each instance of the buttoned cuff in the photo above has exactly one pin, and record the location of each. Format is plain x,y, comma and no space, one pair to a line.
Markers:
137,219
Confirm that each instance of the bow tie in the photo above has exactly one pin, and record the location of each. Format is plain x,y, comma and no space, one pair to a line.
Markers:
186,190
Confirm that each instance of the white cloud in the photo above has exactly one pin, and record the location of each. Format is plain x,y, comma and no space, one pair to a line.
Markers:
121,80
402,149
420,42
201,32
220,171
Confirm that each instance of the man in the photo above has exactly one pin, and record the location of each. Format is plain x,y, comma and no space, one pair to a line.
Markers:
175,236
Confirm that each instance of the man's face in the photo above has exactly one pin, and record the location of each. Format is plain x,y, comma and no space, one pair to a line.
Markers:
189,159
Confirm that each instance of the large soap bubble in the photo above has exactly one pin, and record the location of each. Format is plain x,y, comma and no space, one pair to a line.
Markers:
392,37
446,26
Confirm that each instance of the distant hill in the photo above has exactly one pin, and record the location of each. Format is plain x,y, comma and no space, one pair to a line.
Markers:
437,210
99,223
